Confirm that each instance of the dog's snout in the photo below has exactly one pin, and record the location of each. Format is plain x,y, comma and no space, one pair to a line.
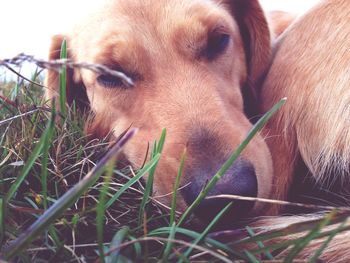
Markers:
240,180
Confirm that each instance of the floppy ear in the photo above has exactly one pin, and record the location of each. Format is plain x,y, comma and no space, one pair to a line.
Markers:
75,89
256,38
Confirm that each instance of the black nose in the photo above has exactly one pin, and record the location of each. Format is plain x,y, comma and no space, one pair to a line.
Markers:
240,179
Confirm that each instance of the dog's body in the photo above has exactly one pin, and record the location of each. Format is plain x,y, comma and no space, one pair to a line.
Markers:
311,68
191,62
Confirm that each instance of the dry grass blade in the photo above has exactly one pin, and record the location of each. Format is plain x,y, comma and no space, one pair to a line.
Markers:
278,202
175,241
59,64
336,218
64,202
23,77
18,116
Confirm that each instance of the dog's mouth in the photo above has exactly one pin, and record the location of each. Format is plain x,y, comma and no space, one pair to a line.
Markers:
205,156
225,212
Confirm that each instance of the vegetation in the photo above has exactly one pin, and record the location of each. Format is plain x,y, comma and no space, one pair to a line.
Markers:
66,198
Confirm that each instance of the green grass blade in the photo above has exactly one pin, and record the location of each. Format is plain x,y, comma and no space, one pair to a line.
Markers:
14,92
61,205
133,180
55,238
256,128
318,253
292,229
298,247
161,141
63,79
149,186
251,257
207,229
183,258
100,211
29,164
259,243
137,247
45,158
116,242
176,187
194,235
2,221
169,244
285,244
157,149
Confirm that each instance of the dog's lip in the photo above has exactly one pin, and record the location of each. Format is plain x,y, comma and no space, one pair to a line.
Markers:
228,222
235,216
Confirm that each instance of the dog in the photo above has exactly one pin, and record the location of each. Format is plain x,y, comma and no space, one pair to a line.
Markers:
309,136
192,62
198,68
309,68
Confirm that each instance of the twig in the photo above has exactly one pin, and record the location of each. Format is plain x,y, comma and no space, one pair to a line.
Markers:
57,65
71,246
18,116
23,77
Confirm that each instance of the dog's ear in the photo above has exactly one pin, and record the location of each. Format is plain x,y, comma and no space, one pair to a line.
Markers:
256,37
75,90
255,33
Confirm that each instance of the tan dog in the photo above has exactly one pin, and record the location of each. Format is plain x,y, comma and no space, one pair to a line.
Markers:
311,67
191,61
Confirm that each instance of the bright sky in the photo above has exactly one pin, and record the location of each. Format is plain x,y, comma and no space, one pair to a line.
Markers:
26,26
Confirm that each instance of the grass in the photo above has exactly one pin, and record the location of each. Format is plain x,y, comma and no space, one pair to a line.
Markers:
64,199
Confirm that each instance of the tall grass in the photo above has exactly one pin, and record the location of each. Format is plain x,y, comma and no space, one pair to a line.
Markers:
63,199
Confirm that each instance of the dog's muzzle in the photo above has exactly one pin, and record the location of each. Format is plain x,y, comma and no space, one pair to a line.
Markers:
240,180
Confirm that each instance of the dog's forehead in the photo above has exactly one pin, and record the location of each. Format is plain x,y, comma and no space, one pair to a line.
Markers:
150,15
155,10
149,21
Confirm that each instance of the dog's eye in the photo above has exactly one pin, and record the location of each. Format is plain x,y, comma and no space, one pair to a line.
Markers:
109,81
217,43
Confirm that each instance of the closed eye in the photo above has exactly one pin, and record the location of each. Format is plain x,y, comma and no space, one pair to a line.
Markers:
109,81
216,44
112,81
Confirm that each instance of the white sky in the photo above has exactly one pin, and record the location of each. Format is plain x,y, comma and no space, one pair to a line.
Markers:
26,25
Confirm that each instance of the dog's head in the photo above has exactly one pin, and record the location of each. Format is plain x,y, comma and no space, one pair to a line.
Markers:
191,61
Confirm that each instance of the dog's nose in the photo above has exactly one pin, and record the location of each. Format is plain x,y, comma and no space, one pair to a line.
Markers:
240,179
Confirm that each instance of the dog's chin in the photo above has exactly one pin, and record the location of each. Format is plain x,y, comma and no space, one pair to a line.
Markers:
238,215
229,221
208,211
